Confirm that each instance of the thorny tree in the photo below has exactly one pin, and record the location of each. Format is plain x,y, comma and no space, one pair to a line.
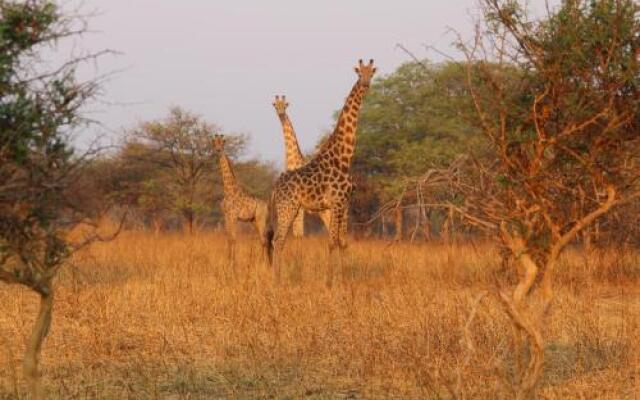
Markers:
40,196
558,101
180,146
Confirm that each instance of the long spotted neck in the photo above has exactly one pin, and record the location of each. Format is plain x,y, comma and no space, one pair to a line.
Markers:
229,183
343,138
293,155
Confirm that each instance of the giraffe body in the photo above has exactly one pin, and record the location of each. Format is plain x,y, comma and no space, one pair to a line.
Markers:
324,184
294,160
238,205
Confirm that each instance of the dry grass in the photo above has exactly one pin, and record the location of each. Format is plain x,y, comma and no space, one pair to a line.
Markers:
148,317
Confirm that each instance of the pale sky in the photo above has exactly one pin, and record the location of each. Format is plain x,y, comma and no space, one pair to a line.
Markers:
225,60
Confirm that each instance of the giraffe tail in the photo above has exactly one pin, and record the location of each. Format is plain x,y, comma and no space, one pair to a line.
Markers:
271,228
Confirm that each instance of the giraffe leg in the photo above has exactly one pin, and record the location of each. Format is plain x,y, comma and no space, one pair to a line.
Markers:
298,225
230,224
285,214
325,216
342,238
334,244
260,223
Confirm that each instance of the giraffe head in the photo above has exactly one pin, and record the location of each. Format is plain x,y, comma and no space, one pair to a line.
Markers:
365,72
280,104
218,143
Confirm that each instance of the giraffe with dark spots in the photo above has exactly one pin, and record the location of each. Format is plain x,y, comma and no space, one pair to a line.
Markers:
293,160
330,166
238,205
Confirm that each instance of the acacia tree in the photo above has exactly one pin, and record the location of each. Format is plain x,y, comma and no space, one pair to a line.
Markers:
178,149
415,120
563,134
181,146
39,171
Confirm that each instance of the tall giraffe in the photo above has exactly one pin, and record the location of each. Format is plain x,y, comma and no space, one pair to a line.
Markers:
237,204
324,183
293,160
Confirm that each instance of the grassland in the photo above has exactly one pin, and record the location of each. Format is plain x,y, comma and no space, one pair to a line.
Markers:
165,317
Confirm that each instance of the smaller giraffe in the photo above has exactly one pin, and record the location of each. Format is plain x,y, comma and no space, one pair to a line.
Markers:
294,160
237,204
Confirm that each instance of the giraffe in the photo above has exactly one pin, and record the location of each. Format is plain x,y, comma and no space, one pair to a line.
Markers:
237,204
293,160
324,183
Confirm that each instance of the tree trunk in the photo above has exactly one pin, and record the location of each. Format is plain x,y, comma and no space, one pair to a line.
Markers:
524,315
188,215
526,320
399,217
383,227
34,346
445,231
157,225
426,230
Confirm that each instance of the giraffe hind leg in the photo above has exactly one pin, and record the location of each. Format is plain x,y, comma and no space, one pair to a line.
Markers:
335,249
325,216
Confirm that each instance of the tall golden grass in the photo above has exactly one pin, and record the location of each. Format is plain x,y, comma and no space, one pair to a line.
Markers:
165,317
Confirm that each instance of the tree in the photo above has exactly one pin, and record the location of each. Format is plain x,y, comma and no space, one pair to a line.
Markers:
140,177
165,168
417,118
40,196
563,135
181,146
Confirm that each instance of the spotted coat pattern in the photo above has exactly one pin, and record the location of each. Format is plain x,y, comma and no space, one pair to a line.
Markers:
237,204
324,183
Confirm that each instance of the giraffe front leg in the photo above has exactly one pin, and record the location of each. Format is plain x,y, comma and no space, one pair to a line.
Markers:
230,224
260,223
335,256
342,233
285,214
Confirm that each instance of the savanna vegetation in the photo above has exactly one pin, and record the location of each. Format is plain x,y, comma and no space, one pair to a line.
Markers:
517,164
162,317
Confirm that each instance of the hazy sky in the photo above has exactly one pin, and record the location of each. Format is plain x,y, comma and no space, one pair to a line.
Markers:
225,60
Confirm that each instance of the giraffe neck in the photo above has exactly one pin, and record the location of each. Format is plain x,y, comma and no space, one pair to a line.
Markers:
229,183
342,142
293,155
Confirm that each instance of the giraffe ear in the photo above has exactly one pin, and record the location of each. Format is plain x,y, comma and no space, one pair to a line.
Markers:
373,71
357,70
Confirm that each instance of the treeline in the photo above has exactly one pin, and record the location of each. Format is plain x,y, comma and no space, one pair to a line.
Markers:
415,123
414,120
166,175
